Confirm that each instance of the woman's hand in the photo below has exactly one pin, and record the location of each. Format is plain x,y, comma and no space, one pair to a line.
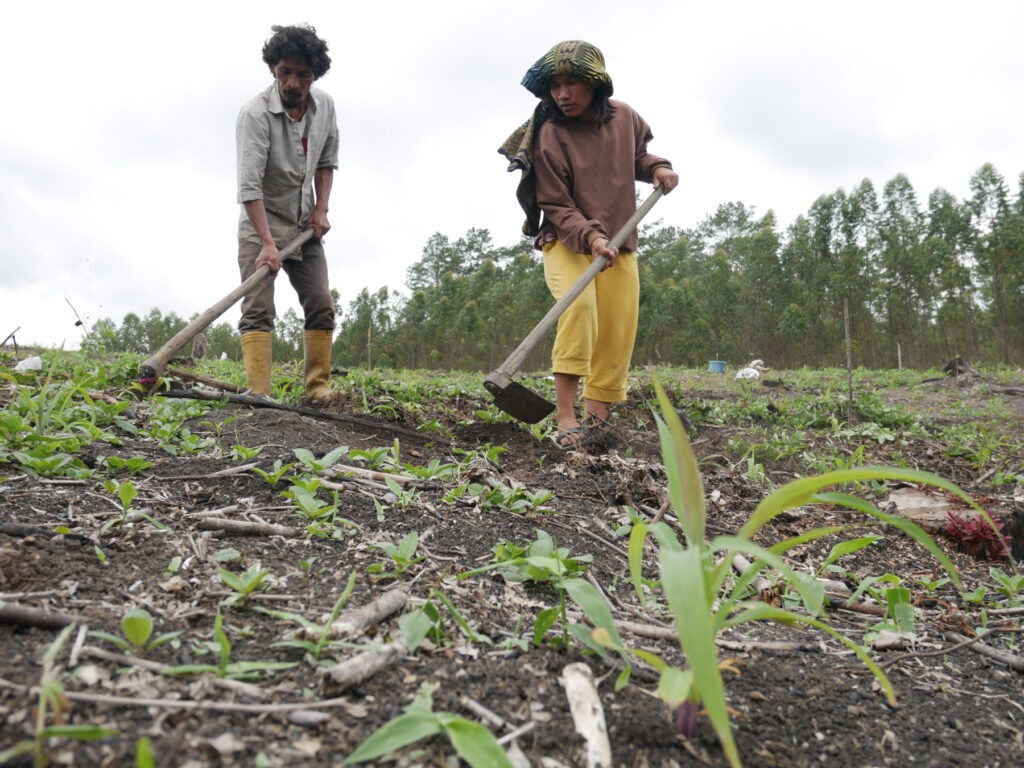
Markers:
665,177
599,247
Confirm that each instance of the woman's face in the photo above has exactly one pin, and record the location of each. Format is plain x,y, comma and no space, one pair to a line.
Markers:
572,95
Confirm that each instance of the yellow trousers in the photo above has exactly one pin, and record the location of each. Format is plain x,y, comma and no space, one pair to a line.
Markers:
596,333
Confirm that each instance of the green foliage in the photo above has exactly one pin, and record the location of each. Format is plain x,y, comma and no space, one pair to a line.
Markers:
694,574
472,741
225,668
137,627
52,703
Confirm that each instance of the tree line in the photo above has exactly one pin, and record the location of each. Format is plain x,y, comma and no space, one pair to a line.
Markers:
921,283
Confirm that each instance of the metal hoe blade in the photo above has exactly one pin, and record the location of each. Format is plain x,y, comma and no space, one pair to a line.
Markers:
521,403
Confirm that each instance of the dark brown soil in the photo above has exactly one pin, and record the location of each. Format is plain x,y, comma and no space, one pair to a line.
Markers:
811,704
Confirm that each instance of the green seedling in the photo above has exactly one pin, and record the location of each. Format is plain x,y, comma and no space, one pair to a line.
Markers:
542,562
242,453
137,627
133,465
931,586
322,633
375,458
52,702
275,474
402,556
174,566
435,470
472,741
144,754
313,464
703,597
845,548
238,670
1007,585
126,493
244,584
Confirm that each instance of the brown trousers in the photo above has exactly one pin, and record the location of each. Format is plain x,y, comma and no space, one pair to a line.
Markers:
309,279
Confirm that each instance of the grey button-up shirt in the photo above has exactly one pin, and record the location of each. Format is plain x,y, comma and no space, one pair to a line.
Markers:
273,164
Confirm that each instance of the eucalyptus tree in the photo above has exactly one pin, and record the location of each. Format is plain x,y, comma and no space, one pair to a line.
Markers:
948,249
993,251
905,277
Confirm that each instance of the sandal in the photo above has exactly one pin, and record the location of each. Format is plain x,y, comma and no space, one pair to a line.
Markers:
562,434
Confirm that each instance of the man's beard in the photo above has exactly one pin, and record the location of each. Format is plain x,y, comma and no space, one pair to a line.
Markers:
291,99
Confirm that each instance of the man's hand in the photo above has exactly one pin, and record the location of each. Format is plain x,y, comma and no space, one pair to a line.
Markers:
599,247
318,221
665,177
269,256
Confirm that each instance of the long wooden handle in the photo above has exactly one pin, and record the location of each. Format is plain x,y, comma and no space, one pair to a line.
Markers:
155,366
512,363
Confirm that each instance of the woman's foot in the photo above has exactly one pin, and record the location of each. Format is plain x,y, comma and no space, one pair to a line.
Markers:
568,439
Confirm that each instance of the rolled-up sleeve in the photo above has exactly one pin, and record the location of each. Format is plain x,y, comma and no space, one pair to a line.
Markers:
645,162
329,155
252,144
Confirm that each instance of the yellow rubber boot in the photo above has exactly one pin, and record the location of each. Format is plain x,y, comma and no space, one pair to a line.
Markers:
256,346
317,354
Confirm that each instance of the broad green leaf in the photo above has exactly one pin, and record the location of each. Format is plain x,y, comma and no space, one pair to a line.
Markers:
144,754
682,578
637,537
476,745
405,729
543,623
674,686
593,605
686,490
137,626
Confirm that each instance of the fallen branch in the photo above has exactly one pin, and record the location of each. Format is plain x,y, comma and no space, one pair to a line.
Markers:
374,612
215,706
362,666
244,528
35,617
222,385
258,402
371,474
1014,662
587,713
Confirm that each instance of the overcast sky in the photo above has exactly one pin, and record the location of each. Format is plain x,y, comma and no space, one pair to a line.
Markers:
117,161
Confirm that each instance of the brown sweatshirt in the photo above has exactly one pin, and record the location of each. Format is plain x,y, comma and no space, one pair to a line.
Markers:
585,176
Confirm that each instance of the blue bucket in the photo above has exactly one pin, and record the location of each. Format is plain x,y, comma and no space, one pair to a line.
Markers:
716,366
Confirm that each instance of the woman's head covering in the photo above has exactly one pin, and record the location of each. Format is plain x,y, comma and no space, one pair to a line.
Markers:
571,57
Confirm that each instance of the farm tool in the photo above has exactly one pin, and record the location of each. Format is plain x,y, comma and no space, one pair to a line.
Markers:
156,365
512,397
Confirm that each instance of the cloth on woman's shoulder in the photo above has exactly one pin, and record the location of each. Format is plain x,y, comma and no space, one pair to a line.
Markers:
570,57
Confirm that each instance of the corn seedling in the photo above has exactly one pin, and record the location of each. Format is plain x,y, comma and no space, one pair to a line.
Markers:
472,741
225,668
52,702
137,628
696,580
322,633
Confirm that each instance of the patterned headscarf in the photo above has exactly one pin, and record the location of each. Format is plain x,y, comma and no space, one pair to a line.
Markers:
571,57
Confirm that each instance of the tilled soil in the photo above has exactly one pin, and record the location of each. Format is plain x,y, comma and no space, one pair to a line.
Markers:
797,697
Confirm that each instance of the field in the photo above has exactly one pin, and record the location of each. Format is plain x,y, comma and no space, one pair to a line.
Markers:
168,566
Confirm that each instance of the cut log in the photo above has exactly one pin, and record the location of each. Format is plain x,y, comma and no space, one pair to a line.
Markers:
337,679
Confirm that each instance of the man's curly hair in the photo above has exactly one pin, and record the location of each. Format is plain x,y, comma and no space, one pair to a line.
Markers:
300,42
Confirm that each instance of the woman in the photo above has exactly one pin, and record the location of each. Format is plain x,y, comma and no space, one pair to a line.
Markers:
580,154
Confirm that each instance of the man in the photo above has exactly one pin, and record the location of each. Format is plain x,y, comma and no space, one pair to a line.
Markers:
287,148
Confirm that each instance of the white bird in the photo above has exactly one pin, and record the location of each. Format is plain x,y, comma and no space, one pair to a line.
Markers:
752,371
